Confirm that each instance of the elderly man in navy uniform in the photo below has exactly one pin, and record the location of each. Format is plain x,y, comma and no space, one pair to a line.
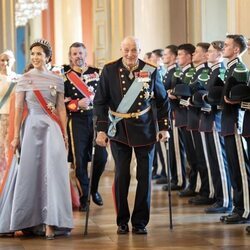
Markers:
128,87
80,85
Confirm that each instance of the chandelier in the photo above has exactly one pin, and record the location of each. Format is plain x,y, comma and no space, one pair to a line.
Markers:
28,9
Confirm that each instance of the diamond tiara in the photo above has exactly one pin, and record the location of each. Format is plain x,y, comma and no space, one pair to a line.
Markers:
42,42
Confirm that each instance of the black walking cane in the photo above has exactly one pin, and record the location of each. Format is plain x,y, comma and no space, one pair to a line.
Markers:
90,176
169,186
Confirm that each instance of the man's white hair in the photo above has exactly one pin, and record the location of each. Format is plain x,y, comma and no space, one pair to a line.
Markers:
131,39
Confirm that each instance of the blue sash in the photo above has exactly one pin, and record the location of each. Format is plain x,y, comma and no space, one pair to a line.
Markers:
127,101
7,94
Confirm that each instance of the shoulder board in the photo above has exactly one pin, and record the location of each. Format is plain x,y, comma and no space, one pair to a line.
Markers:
111,62
150,64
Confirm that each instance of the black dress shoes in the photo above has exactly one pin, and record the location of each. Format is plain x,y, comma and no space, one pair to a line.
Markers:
136,230
173,186
123,229
97,199
156,176
216,208
188,192
248,229
233,218
162,180
201,200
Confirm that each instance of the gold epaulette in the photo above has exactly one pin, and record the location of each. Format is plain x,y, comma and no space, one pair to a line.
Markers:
111,62
150,64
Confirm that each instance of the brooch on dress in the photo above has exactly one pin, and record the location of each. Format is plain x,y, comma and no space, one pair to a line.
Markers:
51,107
52,90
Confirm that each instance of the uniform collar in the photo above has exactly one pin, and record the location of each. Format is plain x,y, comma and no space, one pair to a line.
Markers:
203,65
216,66
232,62
171,67
186,67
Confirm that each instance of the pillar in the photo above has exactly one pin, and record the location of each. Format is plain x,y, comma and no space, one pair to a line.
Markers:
7,25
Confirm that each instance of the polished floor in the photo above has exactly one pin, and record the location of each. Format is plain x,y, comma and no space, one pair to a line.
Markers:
192,228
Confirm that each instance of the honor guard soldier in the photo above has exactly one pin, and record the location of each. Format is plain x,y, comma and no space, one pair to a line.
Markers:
123,105
178,95
206,192
210,124
231,125
80,86
241,93
176,147
156,59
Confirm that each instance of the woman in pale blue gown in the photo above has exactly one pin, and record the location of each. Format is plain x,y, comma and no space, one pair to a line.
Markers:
36,196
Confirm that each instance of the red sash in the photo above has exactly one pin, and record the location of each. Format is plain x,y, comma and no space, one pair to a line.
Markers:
45,107
80,84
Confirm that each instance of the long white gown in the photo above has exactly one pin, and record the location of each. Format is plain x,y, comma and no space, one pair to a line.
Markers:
37,191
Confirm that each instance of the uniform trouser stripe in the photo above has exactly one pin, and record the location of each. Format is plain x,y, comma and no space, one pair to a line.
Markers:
223,174
177,155
198,181
210,182
243,175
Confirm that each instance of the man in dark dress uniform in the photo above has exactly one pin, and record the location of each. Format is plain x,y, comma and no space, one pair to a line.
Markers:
176,147
240,94
206,192
182,78
231,125
123,105
157,60
80,85
246,127
210,124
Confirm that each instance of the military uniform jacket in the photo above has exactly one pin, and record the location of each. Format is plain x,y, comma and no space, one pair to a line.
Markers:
230,119
114,84
91,78
167,82
168,77
193,114
212,119
180,112
246,124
